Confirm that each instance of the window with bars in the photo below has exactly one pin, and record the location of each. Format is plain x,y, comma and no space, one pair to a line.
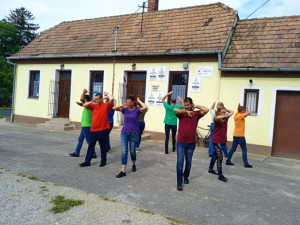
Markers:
34,84
96,83
179,85
251,100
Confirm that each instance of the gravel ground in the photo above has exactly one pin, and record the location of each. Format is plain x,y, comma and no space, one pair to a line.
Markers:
28,201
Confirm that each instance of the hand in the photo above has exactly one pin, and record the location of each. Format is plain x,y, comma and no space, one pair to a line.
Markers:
179,98
79,103
85,91
190,113
105,93
170,93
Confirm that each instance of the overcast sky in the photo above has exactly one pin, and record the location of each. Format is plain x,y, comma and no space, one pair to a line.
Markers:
49,13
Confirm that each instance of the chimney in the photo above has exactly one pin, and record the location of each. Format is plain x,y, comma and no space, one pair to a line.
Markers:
152,5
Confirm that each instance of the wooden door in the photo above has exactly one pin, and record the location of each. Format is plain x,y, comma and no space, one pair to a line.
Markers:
64,94
136,85
286,136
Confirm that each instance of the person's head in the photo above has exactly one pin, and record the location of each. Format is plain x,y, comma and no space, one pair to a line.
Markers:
173,101
188,104
220,105
221,111
99,98
242,109
87,98
130,102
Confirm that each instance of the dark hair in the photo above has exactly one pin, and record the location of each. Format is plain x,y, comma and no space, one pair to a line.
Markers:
99,94
173,100
87,98
188,99
219,110
241,108
132,98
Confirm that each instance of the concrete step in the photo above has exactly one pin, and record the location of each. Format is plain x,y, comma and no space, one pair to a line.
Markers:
60,124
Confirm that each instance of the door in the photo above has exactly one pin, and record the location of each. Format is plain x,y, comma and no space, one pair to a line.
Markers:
136,85
286,136
178,83
64,94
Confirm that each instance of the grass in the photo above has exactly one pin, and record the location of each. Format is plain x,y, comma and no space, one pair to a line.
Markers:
147,211
61,204
35,178
107,199
21,175
175,221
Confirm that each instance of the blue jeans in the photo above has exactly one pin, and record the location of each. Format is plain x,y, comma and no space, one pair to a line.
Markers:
131,140
99,136
242,142
173,128
184,151
217,156
85,133
107,138
142,127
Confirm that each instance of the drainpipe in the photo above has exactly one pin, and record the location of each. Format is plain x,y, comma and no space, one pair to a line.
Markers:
13,92
114,74
116,37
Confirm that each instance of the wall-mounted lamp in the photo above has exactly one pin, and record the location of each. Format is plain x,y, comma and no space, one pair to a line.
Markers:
62,66
251,82
185,65
133,66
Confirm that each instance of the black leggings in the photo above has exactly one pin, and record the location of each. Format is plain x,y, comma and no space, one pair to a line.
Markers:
219,156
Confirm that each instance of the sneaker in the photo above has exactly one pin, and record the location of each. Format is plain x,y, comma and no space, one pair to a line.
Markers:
179,187
121,174
210,155
108,150
229,163
166,152
248,166
137,149
133,168
94,157
186,180
73,154
84,164
102,164
213,172
222,178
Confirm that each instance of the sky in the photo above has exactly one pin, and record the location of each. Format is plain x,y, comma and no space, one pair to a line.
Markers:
49,13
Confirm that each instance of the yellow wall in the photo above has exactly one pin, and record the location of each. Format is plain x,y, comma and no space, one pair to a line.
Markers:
257,126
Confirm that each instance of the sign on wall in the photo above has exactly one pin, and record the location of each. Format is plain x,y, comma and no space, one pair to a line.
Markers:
157,73
195,84
205,71
154,98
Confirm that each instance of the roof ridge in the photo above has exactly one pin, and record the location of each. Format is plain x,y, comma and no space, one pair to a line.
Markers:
268,18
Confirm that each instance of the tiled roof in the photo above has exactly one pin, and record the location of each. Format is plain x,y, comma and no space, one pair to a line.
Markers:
199,28
265,43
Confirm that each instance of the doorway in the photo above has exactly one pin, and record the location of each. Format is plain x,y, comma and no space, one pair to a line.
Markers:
64,94
136,85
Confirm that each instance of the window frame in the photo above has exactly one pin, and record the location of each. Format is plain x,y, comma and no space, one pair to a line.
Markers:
92,74
170,86
246,92
32,74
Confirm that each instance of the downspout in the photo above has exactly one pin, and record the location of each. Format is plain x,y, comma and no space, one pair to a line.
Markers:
114,75
13,92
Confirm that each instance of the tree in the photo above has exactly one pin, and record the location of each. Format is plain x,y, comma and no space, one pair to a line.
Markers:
20,18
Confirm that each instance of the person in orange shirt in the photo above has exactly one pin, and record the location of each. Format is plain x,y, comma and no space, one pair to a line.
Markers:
239,136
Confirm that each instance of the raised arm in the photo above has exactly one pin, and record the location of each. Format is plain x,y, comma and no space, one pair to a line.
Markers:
109,97
247,113
144,107
82,95
88,103
203,109
164,98
213,106
119,107
181,101
182,111
229,112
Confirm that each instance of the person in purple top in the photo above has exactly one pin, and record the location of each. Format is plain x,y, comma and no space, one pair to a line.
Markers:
130,131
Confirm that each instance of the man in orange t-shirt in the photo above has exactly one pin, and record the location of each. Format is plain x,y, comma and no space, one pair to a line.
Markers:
239,136
100,126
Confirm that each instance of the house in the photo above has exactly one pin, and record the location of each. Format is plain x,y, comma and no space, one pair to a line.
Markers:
191,51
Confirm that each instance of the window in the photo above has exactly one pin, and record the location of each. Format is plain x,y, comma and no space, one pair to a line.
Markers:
251,100
179,85
34,84
96,83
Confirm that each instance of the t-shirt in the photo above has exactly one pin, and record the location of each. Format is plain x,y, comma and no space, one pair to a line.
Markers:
100,116
142,116
170,116
220,132
111,116
187,127
86,118
239,129
131,118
